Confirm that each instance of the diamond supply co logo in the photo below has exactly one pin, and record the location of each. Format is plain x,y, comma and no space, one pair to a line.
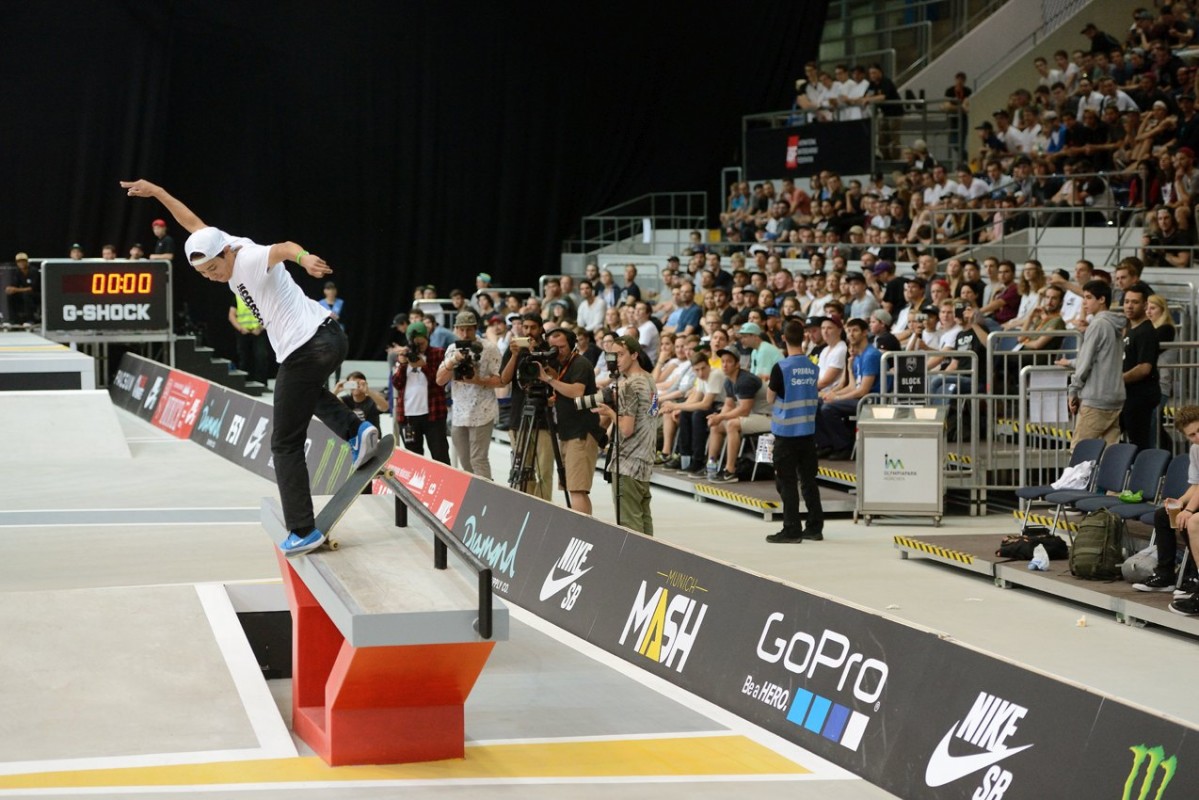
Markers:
984,732
806,656
665,627
571,564
1156,768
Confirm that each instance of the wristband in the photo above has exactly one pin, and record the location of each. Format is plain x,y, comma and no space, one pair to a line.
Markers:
301,255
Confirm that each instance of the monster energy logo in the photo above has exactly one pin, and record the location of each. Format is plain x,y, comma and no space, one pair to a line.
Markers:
1153,758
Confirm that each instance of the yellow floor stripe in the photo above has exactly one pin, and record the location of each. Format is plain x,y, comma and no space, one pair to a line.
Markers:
709,755
1047,521
932,549
736,497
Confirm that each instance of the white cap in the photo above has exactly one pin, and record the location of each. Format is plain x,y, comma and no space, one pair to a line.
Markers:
205,245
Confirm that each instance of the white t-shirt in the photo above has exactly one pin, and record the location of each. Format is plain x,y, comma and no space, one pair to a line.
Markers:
715,385
647,335
416,392
289,316
591,315
949,338
832,357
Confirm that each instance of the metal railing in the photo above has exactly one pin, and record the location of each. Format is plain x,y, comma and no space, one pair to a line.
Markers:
623,227
443,542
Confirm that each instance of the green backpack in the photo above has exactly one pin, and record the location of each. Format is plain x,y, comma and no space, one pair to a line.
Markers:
1096,554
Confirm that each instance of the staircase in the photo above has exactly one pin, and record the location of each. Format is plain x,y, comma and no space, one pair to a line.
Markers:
202,361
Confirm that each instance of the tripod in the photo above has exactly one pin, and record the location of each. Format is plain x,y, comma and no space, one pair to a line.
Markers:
535,417
612,467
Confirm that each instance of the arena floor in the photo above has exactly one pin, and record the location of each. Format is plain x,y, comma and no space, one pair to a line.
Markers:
127,675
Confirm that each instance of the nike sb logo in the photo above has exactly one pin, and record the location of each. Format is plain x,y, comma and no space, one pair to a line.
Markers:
571,563
986,729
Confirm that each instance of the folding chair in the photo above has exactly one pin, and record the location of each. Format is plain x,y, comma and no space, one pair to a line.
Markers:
1174,484
1111,476
1084,451
1145,477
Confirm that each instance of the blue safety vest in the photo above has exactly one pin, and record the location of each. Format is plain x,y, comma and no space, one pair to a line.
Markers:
795,409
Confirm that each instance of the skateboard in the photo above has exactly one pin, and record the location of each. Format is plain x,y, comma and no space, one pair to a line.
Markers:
359,479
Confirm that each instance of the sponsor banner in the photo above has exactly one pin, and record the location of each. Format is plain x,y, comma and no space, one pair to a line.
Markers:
504,528
800,151
439,486
985,728
137,385
1133,755
329,459
179,406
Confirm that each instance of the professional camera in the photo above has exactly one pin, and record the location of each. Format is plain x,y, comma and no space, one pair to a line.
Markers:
469,353
528,371
610,362
607,396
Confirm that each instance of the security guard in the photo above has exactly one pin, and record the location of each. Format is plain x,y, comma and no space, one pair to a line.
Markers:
253,348
793,423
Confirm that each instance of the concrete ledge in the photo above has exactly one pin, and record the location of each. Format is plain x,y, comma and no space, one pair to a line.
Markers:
381,589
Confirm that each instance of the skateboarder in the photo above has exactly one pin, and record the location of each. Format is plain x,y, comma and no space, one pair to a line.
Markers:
308,344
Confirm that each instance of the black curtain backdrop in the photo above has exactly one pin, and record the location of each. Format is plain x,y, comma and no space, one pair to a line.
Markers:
405,142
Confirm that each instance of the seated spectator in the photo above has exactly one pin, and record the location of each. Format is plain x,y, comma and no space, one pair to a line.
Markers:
746,411
688,418
834,432
1169,245
833,354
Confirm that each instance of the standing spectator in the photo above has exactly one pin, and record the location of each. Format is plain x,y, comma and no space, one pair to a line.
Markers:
631,289
334,305
793,394
475,408
253,348
164,245
635,429
1141,386
76,252
24,293
882,91
957,106
1100,42
420,402
136,252
360,398
1096,392
511,373
482,287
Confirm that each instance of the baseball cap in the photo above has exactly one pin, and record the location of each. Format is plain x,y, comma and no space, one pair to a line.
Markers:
512,317
772,312
417,329
836,320
1187,150
466,319
883,266
22,257
76,246
887,341
483,276
986,126
158,223
750,329
857,229
882,315
205,245
725,351
630,343
855,276
494,318
399,319
814,321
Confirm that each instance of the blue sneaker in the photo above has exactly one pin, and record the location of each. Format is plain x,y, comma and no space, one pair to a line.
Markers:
295,544
364,444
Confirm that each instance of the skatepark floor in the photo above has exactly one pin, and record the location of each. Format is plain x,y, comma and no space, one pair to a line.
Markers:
127,674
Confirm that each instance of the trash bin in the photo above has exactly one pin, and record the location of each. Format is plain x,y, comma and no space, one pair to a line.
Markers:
901,462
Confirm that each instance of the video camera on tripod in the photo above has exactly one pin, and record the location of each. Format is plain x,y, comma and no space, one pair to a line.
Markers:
528,369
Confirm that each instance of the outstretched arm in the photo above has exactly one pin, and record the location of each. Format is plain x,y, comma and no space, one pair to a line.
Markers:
182,214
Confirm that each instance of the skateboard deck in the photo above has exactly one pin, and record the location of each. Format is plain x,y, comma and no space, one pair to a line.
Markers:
359,479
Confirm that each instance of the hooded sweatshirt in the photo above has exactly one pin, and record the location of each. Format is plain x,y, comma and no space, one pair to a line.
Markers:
1098,371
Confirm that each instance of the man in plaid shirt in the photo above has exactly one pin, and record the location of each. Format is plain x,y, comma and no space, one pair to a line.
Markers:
420,404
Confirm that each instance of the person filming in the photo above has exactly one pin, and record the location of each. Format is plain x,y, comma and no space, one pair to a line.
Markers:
571,376
634,434
474,365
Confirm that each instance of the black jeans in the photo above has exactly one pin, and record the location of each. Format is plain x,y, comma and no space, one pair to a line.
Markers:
432,433
300,392
693,436
1166,541
795,472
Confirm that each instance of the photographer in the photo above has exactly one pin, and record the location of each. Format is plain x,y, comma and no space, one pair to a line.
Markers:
635,430
522,374
364,401
572,376
474,365
420,406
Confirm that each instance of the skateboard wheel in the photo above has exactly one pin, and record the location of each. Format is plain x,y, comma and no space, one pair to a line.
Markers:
333,544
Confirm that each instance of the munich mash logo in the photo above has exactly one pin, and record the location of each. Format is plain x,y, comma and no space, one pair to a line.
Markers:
980,740
565,574
665,619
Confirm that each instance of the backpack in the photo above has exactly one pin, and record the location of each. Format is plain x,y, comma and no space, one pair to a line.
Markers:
1096,554
1139,567
1020,547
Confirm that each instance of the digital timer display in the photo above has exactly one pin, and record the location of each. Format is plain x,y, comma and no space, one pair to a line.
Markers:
106,297
109,283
